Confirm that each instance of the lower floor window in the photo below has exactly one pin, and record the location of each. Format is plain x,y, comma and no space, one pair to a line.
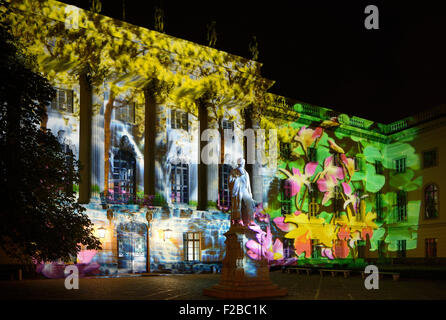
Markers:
191,242
315,248
431,248
401,248
381,247
288,248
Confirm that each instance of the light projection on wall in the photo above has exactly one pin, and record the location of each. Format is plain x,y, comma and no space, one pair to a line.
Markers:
331,199
334,193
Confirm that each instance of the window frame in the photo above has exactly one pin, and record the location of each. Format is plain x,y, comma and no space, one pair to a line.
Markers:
401,204
427,246
401,248
183,169
224,171
435,161
188,238
285,197
179,119
68,100
401,165
437,204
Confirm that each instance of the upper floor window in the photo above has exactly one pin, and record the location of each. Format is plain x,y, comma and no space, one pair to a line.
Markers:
430,158
226,124
63,100
337,201
180,183
337,160
401,202
125,113
358,163
313,206
179,120
378,167
285,197
224,197
285,150
191,244
123,181
379,206
400,165
431,201
312,154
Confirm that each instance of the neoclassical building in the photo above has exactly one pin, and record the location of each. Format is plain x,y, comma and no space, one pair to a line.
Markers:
332,188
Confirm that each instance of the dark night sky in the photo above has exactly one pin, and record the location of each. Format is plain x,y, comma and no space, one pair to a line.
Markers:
319,51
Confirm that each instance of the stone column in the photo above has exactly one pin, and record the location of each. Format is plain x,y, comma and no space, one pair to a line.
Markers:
254,169
149,142
86,97
203,119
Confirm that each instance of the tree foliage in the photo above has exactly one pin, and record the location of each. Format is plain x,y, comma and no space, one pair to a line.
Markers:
40,216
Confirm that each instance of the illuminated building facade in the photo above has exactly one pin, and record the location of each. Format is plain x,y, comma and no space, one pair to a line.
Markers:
343,190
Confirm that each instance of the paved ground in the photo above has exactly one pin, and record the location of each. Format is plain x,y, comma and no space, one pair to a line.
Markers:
188,287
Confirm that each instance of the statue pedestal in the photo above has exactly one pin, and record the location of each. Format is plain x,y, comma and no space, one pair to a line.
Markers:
243,277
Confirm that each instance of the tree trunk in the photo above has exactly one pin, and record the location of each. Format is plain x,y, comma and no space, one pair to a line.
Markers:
107,137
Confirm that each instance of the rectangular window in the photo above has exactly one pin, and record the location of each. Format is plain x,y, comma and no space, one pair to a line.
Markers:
360,244
358,164
312,154
288,248
401,203
400,165
378,167
179,120
315,249
381,248
125,113
401,248
337,201
285,197
285,150
430,158
180,183
224,198
63,100
191,245
226,124
431,248
379,206
340,248
313,206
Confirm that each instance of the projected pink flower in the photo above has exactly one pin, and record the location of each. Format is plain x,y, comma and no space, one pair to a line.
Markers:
327,252
330,176
264,246
297,179
349,164
306,136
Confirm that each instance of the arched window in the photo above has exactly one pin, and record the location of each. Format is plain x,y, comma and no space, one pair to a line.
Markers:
431,201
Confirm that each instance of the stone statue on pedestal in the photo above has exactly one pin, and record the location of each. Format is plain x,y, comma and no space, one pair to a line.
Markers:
242,277
242,203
